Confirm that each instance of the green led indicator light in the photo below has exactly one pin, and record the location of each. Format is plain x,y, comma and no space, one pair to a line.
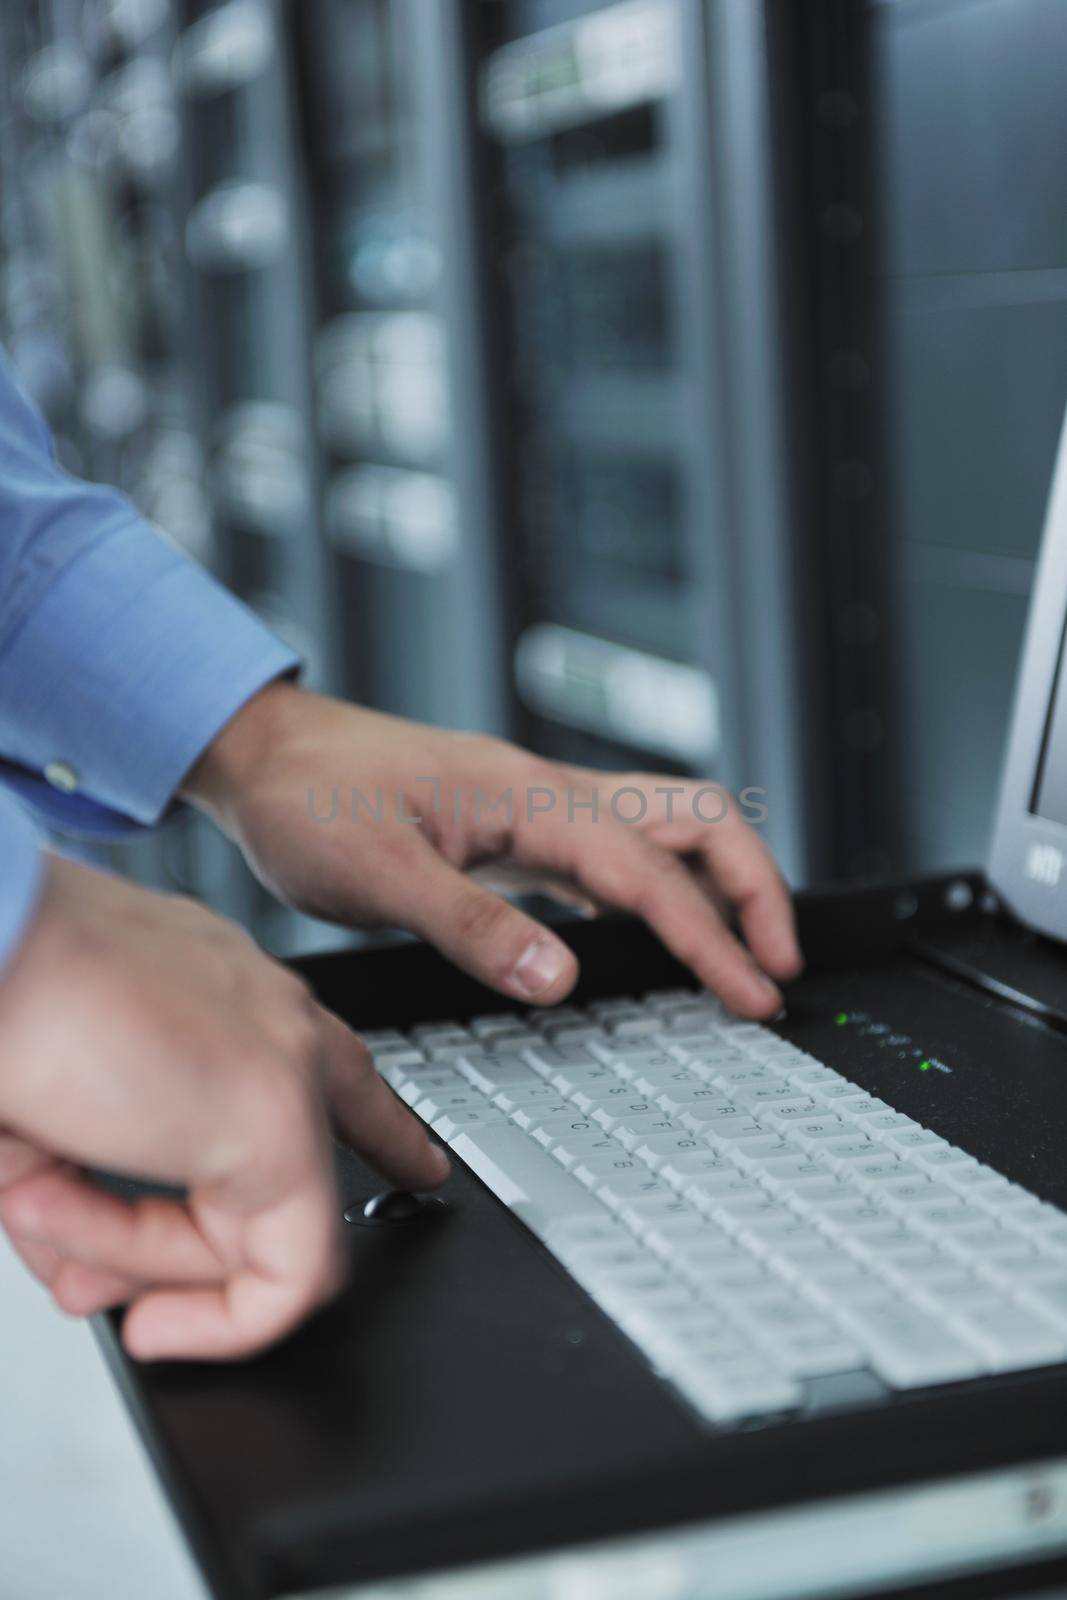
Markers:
924,1066
841,1018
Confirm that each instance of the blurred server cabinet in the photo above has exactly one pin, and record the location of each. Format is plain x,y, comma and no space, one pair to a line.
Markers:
971,124
247,241
400,401
634,221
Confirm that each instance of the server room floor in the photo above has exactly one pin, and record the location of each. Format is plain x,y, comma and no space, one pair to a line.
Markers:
80,1512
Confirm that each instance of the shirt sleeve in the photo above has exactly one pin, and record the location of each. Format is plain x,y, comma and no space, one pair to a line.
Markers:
20,875
120,659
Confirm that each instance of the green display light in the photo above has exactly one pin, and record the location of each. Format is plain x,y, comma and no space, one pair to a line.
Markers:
924,1066
841,1018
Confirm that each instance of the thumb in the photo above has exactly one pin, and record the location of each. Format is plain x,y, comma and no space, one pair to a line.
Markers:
485,935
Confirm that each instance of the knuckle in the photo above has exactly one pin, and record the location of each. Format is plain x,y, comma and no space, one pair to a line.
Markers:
479,915
273,1123
295,1031
25,1210
655,886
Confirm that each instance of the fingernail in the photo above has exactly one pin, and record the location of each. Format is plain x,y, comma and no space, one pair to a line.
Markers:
540,966
769,985
441,1162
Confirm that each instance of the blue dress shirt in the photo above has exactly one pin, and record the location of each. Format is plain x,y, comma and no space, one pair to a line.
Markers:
120,659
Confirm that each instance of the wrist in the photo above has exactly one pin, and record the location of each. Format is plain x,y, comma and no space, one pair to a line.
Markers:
239,751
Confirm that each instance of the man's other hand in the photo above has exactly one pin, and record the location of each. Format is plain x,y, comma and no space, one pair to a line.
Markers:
141,1034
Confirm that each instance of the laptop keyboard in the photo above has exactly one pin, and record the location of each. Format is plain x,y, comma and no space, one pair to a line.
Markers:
770,1236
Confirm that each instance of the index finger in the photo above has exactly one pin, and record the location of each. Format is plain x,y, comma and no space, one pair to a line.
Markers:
371,1117
622,868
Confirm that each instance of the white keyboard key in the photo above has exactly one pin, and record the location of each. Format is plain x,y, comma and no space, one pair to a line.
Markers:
1048,1299
813,1074
565,1236
600,1260
749,1075
484,1027
580,1035
660,1147
910,1140
795,1171
703,1189
882,1166
760,1097
907,1347
860,1105
880,1124
816,1131
628,1059
636,1129
815,1355
575,1146
621,1109
432,1106
491,1072
785,1116
941,1161
419,1084
383,1038
520,1174
721,1132
437,1032
453,1051
697,1114
396,1056
637,1027
618,1189
523,1094
729,1392
1011,1337
583,1084
574,1129
528,1113
666,1235
453,1122
677,1170
844,1154
642,1211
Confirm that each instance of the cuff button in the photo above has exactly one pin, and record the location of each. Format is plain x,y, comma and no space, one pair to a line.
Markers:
62,776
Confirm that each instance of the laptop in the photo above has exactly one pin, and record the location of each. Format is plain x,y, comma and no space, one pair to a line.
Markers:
707,1308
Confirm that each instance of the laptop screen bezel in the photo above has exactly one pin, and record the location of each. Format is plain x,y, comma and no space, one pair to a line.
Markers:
1028,853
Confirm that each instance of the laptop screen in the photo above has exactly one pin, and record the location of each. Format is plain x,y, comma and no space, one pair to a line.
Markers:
1028,861
1050,788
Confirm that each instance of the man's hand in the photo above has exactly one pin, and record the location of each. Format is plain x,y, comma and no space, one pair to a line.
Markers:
142,1034
364,819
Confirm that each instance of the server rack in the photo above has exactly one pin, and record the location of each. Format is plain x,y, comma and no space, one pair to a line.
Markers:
400,403
650,496
157,302
641,378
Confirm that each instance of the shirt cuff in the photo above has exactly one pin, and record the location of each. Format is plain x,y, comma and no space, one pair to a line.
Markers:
127,667
20,876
